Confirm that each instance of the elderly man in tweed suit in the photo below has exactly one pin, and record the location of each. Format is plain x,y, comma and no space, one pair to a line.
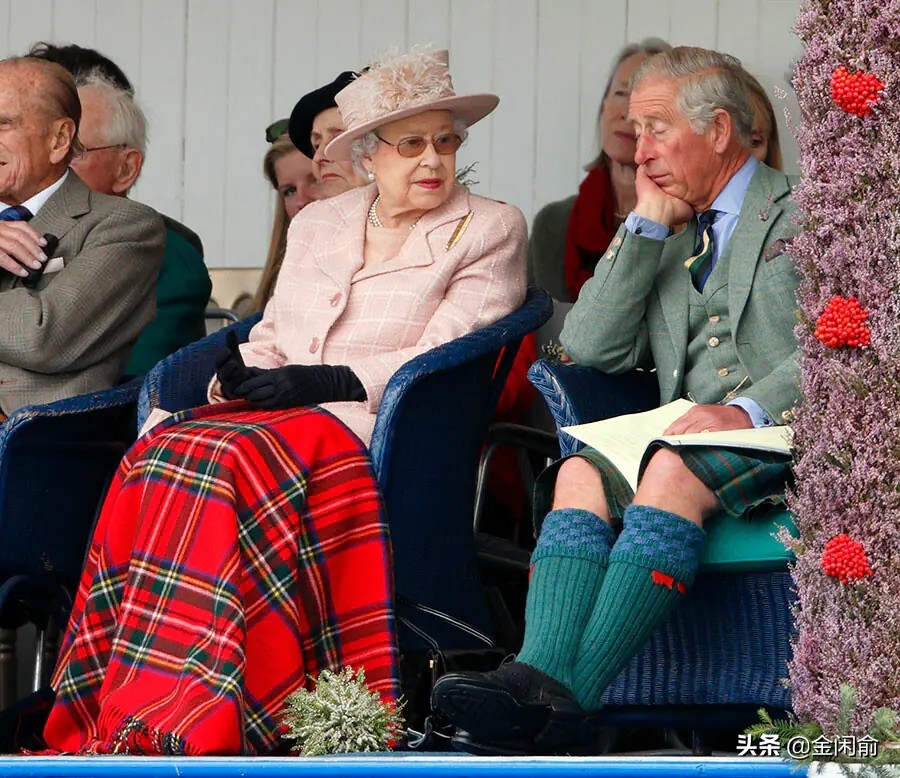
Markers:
712,309
67,320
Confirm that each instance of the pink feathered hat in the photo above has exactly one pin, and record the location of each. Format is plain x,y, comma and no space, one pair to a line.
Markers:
400,86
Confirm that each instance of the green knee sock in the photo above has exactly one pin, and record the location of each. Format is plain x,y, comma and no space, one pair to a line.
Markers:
568,565
650,567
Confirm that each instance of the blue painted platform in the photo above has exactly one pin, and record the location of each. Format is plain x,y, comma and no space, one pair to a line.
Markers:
406,765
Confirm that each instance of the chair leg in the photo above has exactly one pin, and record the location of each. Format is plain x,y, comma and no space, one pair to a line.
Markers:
8,668
45,652
700,745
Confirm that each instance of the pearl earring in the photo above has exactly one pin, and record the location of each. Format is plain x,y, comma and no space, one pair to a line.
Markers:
371,175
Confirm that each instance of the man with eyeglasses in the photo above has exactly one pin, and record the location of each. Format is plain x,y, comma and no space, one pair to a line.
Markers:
113,134
78,269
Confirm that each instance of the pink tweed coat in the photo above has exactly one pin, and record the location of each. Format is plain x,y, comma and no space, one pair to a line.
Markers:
328,309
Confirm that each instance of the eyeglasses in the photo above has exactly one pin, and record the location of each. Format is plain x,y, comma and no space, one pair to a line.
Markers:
276,129
84,150
414,147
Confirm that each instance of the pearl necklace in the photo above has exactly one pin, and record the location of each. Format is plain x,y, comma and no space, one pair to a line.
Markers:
376,222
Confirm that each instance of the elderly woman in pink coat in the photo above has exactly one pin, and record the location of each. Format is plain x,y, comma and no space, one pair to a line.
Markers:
241,548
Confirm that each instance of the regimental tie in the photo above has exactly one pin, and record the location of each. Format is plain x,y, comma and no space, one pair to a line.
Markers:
15,213
700,263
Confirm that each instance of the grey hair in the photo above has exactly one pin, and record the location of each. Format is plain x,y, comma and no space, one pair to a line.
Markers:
707,81
125,121
647,46
366,145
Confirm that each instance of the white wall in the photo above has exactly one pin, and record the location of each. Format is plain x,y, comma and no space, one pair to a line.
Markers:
211,74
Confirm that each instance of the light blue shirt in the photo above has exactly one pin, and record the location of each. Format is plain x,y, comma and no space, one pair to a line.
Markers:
728,203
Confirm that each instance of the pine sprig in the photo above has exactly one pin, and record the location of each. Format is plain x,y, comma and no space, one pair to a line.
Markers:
785,729
341,716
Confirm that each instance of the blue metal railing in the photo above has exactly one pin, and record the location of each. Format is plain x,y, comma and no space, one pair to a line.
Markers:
405,765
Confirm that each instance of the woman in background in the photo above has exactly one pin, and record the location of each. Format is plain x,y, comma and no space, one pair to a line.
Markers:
300,172
764,143
569,236
291,174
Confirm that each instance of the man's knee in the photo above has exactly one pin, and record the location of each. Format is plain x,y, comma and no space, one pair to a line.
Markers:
579,485
667,468
669,484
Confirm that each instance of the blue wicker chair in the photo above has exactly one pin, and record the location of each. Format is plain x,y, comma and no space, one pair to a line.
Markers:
723,654
56,461
425,448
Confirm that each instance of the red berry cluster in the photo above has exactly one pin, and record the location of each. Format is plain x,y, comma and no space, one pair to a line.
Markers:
843,323
845,559
855,92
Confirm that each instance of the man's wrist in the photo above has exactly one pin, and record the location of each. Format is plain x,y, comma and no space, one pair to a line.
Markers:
647,228
653,212
754,411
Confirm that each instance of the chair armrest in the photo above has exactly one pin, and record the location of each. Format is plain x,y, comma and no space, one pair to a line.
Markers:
180,380
503,433
81,405
483,343
213,313
56,461
576,394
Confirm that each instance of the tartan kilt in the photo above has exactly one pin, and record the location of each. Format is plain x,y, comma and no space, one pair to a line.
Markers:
238,552
744,484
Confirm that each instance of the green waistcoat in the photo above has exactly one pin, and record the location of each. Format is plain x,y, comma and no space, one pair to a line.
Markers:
713,367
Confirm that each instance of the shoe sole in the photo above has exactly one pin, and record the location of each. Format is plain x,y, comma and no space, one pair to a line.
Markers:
469,746
494,715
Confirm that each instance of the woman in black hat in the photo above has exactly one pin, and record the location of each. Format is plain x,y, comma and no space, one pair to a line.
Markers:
315,121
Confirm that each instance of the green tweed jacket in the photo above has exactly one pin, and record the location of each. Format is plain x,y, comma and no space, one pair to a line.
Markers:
634,311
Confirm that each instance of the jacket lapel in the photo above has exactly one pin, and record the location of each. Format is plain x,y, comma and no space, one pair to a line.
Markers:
344,253
422,247
59,214
758,213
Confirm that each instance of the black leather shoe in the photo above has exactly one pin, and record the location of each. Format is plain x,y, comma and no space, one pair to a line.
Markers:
516,704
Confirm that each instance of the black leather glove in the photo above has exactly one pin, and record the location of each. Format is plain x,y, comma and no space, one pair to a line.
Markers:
231,370
292,386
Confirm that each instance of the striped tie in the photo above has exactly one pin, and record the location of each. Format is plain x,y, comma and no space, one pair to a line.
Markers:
700,263
15,213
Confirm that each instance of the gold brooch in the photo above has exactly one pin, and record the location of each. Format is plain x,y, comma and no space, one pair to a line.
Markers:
460,229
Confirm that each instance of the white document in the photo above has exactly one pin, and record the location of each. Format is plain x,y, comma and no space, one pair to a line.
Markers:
624,439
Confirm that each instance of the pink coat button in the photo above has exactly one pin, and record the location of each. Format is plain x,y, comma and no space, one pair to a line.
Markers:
313,345
335,299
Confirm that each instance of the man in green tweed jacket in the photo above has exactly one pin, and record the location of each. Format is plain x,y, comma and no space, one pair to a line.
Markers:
711,307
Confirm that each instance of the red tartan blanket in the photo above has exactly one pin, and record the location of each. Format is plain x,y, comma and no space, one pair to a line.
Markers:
237,553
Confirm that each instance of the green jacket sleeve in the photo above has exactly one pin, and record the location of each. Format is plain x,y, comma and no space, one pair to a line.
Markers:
181,298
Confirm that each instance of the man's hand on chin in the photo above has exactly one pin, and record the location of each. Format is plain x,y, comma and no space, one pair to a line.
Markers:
711,418
653,203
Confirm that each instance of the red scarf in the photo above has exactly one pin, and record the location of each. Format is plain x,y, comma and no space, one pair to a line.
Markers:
591,228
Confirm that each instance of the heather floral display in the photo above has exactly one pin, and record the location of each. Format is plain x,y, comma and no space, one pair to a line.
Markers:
847,497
